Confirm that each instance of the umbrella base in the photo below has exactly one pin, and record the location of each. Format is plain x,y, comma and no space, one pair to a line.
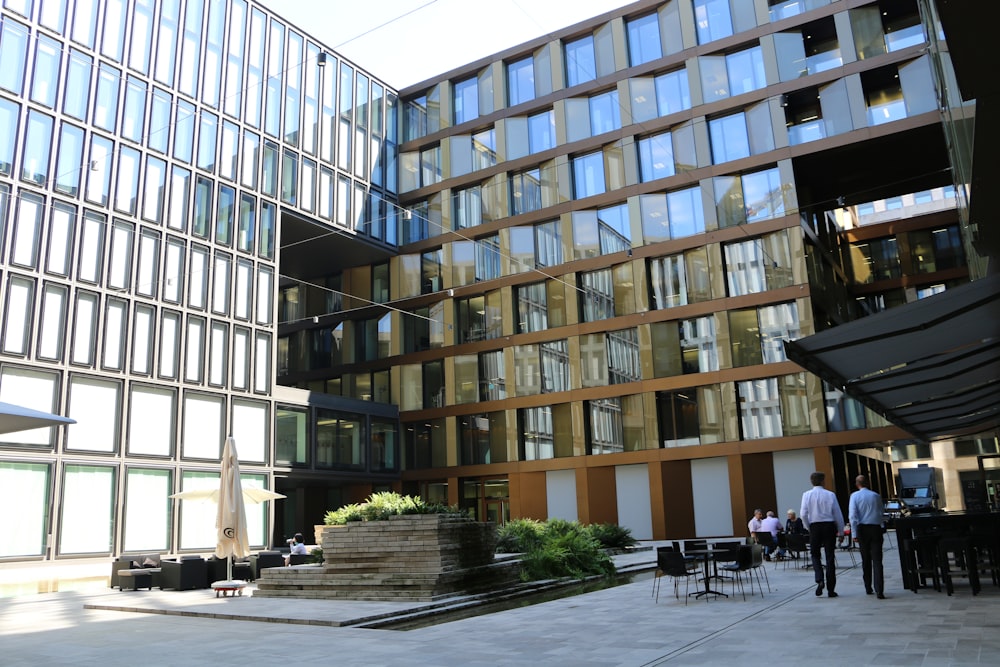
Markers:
229,588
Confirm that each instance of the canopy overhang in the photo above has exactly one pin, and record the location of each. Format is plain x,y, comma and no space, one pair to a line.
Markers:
932,367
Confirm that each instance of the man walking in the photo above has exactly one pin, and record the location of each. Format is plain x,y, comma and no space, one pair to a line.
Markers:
823,519
867,516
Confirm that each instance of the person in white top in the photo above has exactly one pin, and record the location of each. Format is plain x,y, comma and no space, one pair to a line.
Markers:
296,546
822,517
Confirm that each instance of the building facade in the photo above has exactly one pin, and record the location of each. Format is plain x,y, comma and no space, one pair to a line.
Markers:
554,282
608,233
151,153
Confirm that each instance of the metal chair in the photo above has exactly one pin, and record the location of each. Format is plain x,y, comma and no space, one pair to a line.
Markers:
742,564
672,564
758,562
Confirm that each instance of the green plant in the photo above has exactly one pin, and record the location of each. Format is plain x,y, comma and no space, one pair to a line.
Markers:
519,535
567,550
380,506
316,555
612,536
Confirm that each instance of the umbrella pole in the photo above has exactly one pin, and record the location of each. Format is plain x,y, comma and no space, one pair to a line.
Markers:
229,569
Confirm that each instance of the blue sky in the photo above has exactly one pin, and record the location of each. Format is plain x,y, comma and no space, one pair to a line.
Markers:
410,49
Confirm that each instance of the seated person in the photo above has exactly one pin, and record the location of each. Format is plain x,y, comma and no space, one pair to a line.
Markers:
793,525
297,547
772,524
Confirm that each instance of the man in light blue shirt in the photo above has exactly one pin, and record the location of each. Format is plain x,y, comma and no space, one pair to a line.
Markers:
867,515
821,515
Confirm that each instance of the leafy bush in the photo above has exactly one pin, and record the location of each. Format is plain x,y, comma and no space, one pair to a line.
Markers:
519,535
380,506
316,555
567,549
612,536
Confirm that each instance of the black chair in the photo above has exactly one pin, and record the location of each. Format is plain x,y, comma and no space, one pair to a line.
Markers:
796,545
299,559
758,562
188,573
694,545
767,543
266,559
742,564
217,570
957,558
672,564
723,553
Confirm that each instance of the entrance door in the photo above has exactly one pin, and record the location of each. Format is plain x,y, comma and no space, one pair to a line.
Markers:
497,510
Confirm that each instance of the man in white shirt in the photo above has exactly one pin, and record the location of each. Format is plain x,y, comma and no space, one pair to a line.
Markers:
823,519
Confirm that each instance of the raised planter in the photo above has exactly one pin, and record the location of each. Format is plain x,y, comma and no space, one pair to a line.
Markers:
408,557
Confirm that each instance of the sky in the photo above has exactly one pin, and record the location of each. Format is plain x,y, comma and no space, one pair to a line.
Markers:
411,49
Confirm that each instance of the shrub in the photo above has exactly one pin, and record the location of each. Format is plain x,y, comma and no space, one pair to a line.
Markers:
380,506
612,536
566,550
519,535
316,555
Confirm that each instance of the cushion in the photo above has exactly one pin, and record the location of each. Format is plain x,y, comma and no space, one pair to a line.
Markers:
149,562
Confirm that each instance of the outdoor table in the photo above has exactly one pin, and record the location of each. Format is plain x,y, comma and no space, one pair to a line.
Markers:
930,525
706,555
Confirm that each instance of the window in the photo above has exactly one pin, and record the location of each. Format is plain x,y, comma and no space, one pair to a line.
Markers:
426,444
675,215
672,92
541,131
880,260
482,438
656,157
531,301
588,175
758,265
690,416
521,81
430,272
546,432
729,138
525,191
643,39
680,279
601,232
615,425
712,20
479,317
537,246
581,64
774,407
623,356
745,71
684,347
466,101
492,376
475,261
340,440
605,113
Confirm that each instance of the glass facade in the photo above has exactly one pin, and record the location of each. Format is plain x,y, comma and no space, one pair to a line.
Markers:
145,150
591,217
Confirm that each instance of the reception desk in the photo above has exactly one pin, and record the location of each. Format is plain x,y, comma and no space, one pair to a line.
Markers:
915,528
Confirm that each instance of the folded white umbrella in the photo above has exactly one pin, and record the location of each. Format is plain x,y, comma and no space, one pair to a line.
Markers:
231,518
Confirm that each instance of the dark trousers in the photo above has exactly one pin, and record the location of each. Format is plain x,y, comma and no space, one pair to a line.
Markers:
823,537
870,545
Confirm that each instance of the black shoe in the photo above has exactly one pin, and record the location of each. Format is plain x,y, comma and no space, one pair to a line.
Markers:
819,589
881,596
868,591
832,594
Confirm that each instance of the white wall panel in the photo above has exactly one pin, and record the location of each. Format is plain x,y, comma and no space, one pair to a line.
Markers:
791,478
713,512
632,491
560,494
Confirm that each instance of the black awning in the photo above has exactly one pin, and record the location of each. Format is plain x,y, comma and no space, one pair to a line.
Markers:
931,367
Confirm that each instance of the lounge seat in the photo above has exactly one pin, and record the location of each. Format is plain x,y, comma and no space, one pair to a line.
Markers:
188,573
133,562
266,559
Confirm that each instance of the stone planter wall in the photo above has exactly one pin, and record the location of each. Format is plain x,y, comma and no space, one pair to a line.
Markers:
413,557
